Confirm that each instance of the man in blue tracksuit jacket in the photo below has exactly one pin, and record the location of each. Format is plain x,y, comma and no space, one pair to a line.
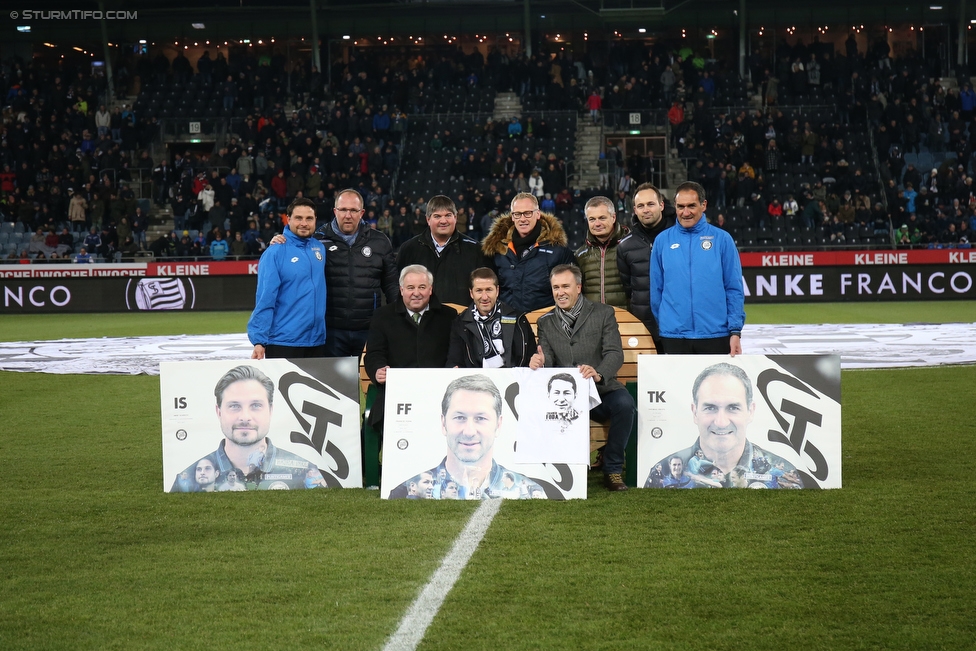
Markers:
696,282
289,308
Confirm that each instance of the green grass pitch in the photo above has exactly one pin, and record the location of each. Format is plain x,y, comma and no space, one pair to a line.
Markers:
94,556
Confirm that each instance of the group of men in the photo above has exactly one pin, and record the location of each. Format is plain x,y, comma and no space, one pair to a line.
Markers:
329,292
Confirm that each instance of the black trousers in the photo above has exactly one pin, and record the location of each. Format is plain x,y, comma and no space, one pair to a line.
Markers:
274,351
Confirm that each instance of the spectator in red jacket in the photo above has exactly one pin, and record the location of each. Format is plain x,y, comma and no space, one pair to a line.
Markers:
279,189
594,102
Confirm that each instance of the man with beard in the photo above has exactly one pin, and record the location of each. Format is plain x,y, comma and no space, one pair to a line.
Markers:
245,398
206,475
288,320
651,216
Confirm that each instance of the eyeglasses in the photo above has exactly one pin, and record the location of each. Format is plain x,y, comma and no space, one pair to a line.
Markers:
348,211
523,215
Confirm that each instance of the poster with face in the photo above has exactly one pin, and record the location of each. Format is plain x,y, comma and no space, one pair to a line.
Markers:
752,421
454,434
554,423
267,424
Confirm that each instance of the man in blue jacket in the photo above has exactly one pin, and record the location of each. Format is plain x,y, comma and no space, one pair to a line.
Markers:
289,309
696,282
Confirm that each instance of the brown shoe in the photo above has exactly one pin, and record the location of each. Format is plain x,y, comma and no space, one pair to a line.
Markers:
614,482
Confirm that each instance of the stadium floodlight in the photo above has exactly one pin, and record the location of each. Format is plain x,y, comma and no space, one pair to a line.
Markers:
346,37
198,26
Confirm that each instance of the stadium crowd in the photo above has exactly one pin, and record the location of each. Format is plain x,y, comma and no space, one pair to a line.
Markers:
72,173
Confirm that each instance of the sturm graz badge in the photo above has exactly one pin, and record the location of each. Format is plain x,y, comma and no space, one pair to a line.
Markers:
367,251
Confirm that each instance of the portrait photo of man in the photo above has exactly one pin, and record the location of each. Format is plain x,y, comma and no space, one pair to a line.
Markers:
244,407
421,487
722,408
232,484
470,420
554,417
205,475
561,390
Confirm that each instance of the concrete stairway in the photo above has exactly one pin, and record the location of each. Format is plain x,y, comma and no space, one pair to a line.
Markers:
160,222
589,144
507,106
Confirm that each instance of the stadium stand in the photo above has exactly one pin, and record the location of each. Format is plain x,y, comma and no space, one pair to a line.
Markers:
881,144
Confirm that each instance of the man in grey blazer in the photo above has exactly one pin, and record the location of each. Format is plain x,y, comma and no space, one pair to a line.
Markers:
583,334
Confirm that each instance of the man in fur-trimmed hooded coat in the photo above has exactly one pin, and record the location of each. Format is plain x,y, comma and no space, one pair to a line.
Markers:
524,245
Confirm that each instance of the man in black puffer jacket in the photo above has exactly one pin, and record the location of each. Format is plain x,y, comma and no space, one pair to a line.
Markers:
652,216
360,270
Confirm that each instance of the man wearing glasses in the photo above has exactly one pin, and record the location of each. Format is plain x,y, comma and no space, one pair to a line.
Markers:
360,270
525,245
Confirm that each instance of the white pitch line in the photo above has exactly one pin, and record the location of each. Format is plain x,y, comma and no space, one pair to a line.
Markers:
421,613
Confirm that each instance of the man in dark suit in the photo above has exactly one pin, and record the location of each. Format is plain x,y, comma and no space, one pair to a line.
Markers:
414,332
583,334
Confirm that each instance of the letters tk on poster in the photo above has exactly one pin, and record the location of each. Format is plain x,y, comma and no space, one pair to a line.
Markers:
470,453
308,437
788,436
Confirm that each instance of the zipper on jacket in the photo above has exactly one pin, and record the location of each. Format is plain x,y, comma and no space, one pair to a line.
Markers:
691,283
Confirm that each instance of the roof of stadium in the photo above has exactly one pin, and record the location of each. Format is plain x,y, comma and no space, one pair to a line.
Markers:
222,19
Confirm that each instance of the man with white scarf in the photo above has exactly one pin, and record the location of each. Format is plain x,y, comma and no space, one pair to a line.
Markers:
489,333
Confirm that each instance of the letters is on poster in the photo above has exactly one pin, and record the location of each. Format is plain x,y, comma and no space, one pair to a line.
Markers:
306,436
788,429
430,456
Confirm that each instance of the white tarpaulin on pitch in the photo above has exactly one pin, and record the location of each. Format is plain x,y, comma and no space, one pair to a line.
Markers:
858,345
